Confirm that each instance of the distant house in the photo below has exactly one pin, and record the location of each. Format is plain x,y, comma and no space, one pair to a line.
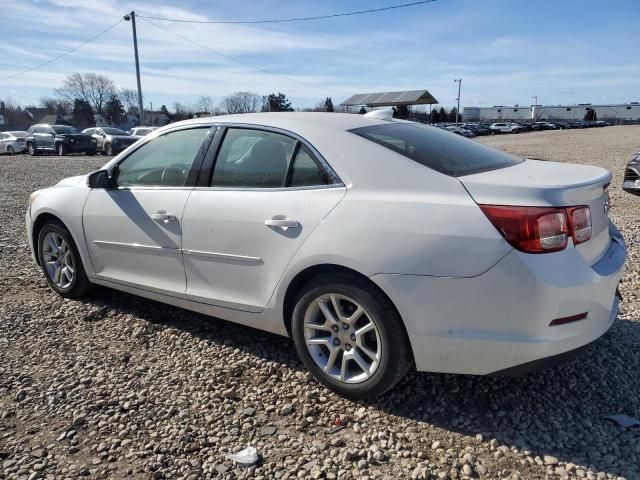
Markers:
55,119
155,118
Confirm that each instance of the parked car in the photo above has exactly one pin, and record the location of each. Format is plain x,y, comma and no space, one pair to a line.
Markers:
377,244
110,140
141,131
505,128
631,182
465,132
478,129
12,142
61,139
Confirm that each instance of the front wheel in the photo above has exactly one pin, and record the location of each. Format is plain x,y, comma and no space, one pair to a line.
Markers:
32,149
60,261
108,149
350,336
10,150
62,149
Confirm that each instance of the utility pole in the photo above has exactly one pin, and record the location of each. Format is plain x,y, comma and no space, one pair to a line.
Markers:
533,112
132,16
459,80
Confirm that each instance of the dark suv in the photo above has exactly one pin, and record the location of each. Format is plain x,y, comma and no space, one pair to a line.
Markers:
61,139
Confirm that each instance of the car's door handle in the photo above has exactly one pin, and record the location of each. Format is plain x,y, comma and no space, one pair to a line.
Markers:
163,217
283,223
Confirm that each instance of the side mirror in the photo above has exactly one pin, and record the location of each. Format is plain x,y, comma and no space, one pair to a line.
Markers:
100,179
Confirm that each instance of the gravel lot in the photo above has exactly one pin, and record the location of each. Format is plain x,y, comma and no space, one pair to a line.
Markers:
120,387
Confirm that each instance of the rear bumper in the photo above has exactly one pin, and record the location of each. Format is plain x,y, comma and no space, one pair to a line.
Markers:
500,319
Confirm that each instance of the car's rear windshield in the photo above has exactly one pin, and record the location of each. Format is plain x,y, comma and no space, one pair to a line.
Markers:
114,131
63,129
438,149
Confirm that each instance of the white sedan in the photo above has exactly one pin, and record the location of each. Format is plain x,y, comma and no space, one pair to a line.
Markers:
12,142
377,244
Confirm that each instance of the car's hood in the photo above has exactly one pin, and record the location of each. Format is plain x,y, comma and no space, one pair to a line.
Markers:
70,181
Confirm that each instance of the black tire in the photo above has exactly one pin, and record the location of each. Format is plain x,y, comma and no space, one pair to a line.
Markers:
79,285
396,357
10,150
61,149
31,147
108,149
90,153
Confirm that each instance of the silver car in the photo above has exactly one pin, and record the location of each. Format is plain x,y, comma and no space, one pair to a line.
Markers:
110,140
141,131
12,142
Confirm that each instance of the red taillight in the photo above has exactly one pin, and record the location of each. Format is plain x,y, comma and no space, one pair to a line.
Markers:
540,229
580,219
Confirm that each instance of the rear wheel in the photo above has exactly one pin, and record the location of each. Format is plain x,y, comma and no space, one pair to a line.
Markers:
350,336
62,149
10,150
60,261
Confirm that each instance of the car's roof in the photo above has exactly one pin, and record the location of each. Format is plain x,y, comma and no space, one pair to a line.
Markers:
291,120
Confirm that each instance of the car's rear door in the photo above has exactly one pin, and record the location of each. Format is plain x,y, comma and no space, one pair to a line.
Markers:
267,193
134,231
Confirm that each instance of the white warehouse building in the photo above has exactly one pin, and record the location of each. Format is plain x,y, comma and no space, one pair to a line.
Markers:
611,112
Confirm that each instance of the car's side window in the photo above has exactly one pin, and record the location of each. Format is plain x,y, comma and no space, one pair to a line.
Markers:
253,158
305,172
164,161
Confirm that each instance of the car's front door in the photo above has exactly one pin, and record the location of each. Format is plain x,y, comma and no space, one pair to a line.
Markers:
134,231
267,193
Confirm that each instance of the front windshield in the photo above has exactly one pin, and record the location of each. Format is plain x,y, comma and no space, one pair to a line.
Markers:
114,131
63,129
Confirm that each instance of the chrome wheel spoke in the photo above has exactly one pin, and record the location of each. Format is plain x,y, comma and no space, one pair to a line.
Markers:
319,341
355,355
343,368
331,361
369,353
328,314
369,327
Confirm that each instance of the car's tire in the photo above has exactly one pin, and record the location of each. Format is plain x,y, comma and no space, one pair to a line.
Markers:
61,149
108,149
365,364
31,147
90,153
10,150
61,262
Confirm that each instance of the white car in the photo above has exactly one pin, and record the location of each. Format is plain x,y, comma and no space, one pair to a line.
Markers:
376,244
505,127
13,142
141,131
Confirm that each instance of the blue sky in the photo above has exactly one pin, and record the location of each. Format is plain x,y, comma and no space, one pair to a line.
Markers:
506,51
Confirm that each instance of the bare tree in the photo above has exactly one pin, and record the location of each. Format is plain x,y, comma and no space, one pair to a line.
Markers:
241,102
129,99
204,104
56,105
91,87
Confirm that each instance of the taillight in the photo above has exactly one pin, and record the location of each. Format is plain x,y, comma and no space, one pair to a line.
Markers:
530,229
580,218
540,229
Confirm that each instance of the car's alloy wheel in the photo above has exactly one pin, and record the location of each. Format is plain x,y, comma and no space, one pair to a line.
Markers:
10,150
62,149
60,261
342,338
350,336
32,149
109,150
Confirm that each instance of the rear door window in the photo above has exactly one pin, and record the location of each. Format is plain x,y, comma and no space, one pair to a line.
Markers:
437,149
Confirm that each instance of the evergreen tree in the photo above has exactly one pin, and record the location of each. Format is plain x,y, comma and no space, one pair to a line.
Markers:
442,114
82,114
165,111
276,103
435,118
362,111
328,105
453,114
114,110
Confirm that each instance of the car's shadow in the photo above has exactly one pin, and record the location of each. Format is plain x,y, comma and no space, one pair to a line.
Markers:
556,412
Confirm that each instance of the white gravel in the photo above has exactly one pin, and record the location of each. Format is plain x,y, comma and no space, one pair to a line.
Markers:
120,387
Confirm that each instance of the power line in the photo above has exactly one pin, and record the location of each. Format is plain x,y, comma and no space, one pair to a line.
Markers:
62,55
233,59
294,19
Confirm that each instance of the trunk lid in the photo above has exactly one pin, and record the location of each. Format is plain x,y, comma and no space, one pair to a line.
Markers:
536,183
